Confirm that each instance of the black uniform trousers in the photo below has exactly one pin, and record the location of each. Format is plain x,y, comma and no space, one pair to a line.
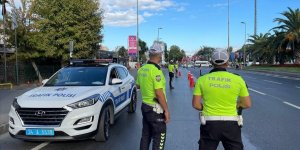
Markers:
154,128
228,132
171,75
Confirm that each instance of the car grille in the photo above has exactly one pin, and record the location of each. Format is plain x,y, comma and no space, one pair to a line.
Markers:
42,116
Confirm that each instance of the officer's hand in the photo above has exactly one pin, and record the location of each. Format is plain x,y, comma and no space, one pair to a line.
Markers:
167,117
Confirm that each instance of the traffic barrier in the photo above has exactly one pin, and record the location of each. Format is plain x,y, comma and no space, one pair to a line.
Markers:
189,76
192,82
7,84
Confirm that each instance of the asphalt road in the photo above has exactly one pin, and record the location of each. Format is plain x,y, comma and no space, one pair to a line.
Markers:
271,124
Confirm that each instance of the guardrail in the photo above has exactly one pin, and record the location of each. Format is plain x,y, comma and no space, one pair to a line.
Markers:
7,84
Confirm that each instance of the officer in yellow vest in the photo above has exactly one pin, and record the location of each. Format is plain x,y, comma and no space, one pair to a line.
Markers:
171,68
218,95
152,84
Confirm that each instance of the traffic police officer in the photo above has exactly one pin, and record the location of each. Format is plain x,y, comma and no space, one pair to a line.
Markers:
171,68
152,83
219,91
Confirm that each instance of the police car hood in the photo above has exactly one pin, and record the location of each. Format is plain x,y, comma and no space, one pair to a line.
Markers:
56,97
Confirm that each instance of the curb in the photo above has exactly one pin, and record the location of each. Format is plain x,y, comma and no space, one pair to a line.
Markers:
3,128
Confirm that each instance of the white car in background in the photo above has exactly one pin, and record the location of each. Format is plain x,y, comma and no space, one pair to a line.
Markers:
79,101
202,64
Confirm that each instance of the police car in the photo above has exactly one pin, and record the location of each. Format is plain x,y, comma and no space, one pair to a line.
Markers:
79,101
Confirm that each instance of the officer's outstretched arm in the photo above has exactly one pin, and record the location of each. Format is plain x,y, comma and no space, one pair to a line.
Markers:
197,102
244,102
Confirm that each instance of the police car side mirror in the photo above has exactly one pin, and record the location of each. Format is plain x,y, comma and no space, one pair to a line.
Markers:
116,81
45,81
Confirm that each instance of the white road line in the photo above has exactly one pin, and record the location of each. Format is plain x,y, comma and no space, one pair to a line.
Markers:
272,82
257,91
298,87
40,146
295,106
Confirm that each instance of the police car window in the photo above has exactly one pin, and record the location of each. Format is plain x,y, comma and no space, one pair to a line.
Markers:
113,74
79,76
125,71
122,73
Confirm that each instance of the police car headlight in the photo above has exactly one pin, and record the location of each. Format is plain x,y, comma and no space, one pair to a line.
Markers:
15,104
85,102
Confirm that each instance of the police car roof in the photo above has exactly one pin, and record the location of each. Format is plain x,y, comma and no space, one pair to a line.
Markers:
90,62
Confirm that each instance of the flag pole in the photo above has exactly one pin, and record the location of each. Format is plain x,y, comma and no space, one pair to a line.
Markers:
4,40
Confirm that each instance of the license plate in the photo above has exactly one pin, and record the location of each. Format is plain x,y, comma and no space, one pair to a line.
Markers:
40,132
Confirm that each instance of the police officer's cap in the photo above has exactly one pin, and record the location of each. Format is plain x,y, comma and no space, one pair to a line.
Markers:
155,49
219,57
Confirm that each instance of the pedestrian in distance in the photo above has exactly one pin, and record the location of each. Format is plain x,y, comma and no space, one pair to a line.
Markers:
216,95
152,84
171,68
176,69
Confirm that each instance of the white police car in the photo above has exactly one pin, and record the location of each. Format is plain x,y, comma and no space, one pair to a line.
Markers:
79,101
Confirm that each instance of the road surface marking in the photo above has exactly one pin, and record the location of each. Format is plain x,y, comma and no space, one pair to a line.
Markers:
250,77
272,81
40,146
298,87
276,76
295,106
257,91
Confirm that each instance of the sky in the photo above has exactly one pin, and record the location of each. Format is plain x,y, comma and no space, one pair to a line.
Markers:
189,24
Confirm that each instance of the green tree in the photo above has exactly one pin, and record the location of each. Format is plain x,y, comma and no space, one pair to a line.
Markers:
290,26
143,49
205,52
24,17
176,53
166,52
230,49
45,28
260,47
123,52
58,22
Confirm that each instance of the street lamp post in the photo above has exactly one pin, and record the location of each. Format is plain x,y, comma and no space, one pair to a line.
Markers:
245,43
137,31
158,33
255,17
228,22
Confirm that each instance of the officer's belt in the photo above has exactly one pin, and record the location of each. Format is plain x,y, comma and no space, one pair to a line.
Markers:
221,118
151,105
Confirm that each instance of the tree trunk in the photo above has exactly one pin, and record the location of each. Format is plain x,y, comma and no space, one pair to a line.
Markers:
297,57
37,71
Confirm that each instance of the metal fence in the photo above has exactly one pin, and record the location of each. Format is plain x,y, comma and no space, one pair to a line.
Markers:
26,72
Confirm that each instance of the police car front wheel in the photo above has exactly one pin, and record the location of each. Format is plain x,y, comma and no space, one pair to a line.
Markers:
132,104
103,126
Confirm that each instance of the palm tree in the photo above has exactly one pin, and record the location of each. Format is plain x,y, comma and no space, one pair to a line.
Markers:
260,48
290,26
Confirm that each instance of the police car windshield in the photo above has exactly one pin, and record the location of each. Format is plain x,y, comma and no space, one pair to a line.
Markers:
79,76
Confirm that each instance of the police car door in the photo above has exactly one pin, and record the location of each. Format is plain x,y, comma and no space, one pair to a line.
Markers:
125,87
115,89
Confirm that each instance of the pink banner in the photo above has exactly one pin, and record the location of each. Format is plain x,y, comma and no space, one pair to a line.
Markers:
132,50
